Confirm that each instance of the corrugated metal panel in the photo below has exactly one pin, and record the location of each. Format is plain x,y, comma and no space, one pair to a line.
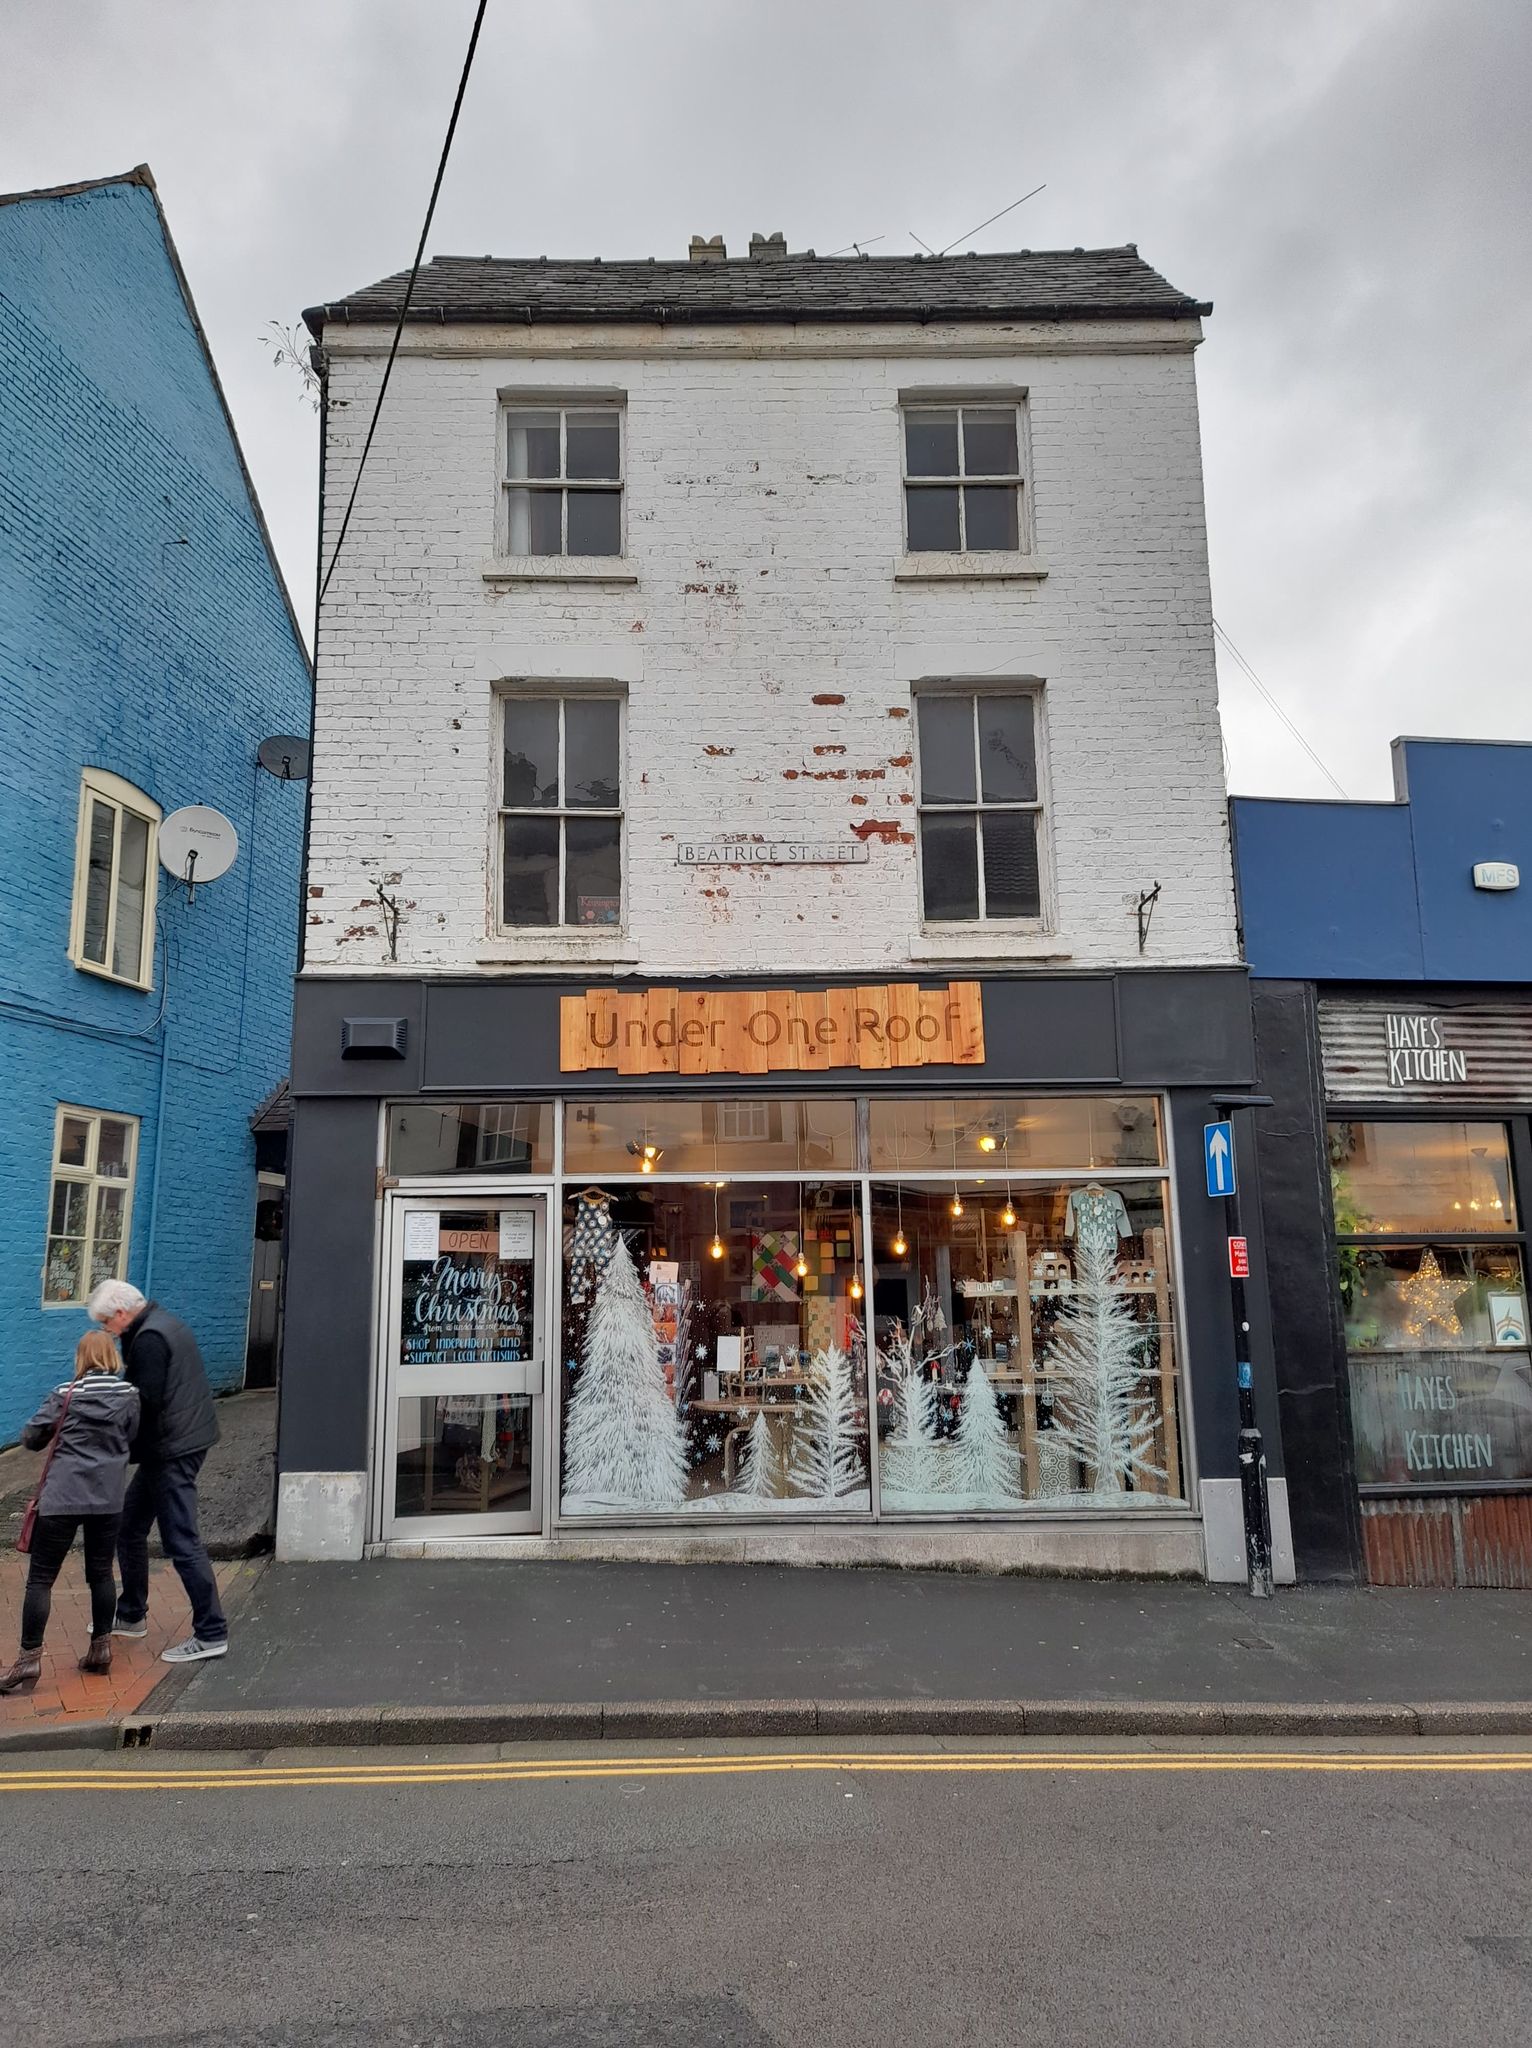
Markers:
1494,1041
1468,1540
1408,1543
1497,1541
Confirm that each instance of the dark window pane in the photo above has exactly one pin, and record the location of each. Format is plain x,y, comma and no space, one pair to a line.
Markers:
531,752
930,444
1007,750
593,871
532,522
74,1141
946,750
595,522
949,868
591,773
112,1149
932,520
989,518
532,444
1010,865
593,448
989,442
132,896
531,871
98,881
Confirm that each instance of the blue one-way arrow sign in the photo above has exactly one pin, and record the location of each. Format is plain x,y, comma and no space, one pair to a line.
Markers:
1218,1157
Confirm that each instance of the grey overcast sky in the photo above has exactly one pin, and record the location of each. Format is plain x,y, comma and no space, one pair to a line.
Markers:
1348,181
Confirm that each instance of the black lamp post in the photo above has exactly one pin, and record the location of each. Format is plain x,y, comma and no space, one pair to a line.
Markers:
1254,1502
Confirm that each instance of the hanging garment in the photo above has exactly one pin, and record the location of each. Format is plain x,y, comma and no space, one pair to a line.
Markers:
1097,1217
592,1242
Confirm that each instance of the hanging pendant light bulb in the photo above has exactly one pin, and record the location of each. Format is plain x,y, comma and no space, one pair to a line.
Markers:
715,1249
956,1204
802,1267
801,1264
1008,1215
900,1244
856,1288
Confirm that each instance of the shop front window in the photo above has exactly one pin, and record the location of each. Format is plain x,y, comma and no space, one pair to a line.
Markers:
470,1137
964,1135
713,1348
763,1135
1434,1302
1025,1346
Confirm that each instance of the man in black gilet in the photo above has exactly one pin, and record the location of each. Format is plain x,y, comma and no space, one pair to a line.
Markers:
177,1430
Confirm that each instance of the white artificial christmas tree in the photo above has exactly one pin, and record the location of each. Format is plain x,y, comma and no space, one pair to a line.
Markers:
827,1459
984,1465
624,1445
1102,1413
760,1477
914,1463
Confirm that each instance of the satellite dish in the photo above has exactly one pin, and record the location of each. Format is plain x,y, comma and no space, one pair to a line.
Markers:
284,756
197,844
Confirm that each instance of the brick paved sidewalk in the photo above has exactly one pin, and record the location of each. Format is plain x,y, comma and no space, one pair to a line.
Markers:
64,1690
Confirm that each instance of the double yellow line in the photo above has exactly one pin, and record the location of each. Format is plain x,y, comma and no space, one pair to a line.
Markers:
570,1770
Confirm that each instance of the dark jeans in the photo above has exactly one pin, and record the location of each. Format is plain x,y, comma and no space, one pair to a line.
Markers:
165,1491
52,1539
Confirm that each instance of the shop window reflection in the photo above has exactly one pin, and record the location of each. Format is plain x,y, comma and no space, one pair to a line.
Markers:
1025,1346
714,1385
933,1135
769,1135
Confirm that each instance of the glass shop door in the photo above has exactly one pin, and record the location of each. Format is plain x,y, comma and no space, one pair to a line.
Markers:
465,1362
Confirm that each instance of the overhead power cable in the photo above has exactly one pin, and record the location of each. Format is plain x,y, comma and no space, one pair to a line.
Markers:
1277,708
409,293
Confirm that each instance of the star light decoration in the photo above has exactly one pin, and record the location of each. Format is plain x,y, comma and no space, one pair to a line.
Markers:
1429,1296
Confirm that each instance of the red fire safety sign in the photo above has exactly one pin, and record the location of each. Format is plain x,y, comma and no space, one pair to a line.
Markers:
1239,1258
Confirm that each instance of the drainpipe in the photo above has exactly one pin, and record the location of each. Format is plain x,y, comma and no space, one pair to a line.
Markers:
159,1159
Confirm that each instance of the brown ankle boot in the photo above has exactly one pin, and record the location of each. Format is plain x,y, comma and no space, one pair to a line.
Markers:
24,1673
99,1656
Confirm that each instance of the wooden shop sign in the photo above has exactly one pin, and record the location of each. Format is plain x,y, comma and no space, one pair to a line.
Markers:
768,1031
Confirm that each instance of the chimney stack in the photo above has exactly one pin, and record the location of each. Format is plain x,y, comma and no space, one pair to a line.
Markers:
768,248
707,249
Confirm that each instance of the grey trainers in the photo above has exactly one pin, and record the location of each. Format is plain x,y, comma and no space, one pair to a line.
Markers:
130,1628
192,1651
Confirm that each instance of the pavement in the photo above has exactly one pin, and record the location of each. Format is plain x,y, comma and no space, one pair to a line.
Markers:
929,1894
425,1650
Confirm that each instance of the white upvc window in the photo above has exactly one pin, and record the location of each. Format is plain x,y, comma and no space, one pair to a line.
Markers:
112,921
963,478
561,809
981,807
562,479
90,1202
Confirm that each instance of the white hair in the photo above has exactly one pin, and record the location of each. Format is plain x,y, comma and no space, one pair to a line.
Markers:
112,1295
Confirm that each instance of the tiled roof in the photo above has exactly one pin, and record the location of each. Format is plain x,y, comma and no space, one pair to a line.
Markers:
1044,284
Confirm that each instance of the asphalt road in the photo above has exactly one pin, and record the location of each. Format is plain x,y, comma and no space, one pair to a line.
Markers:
770,1894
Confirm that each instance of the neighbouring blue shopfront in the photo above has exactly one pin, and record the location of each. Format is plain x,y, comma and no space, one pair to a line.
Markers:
1390,950
147,647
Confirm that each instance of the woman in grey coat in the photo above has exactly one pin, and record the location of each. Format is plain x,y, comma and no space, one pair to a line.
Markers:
94,1417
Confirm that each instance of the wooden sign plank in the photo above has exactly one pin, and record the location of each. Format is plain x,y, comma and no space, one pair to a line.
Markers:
873,1027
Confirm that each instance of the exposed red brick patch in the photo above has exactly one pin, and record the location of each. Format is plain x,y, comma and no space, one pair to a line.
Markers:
316,892
827,697
871,775
829,750
886,830
900,760
859,799
898,711
718,750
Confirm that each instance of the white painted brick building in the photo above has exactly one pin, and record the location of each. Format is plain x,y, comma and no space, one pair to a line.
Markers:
769,632
749,649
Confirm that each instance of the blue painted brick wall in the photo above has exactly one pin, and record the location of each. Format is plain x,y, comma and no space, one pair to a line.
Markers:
142,631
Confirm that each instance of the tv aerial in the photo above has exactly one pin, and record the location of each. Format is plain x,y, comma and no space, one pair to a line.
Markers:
197,844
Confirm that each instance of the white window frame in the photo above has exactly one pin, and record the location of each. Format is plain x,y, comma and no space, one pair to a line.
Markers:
563,403
99,787
90,1177
961,402
563,693
1038,807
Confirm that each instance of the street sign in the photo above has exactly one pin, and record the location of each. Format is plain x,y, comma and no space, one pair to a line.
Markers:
1239,1258
1218,1158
